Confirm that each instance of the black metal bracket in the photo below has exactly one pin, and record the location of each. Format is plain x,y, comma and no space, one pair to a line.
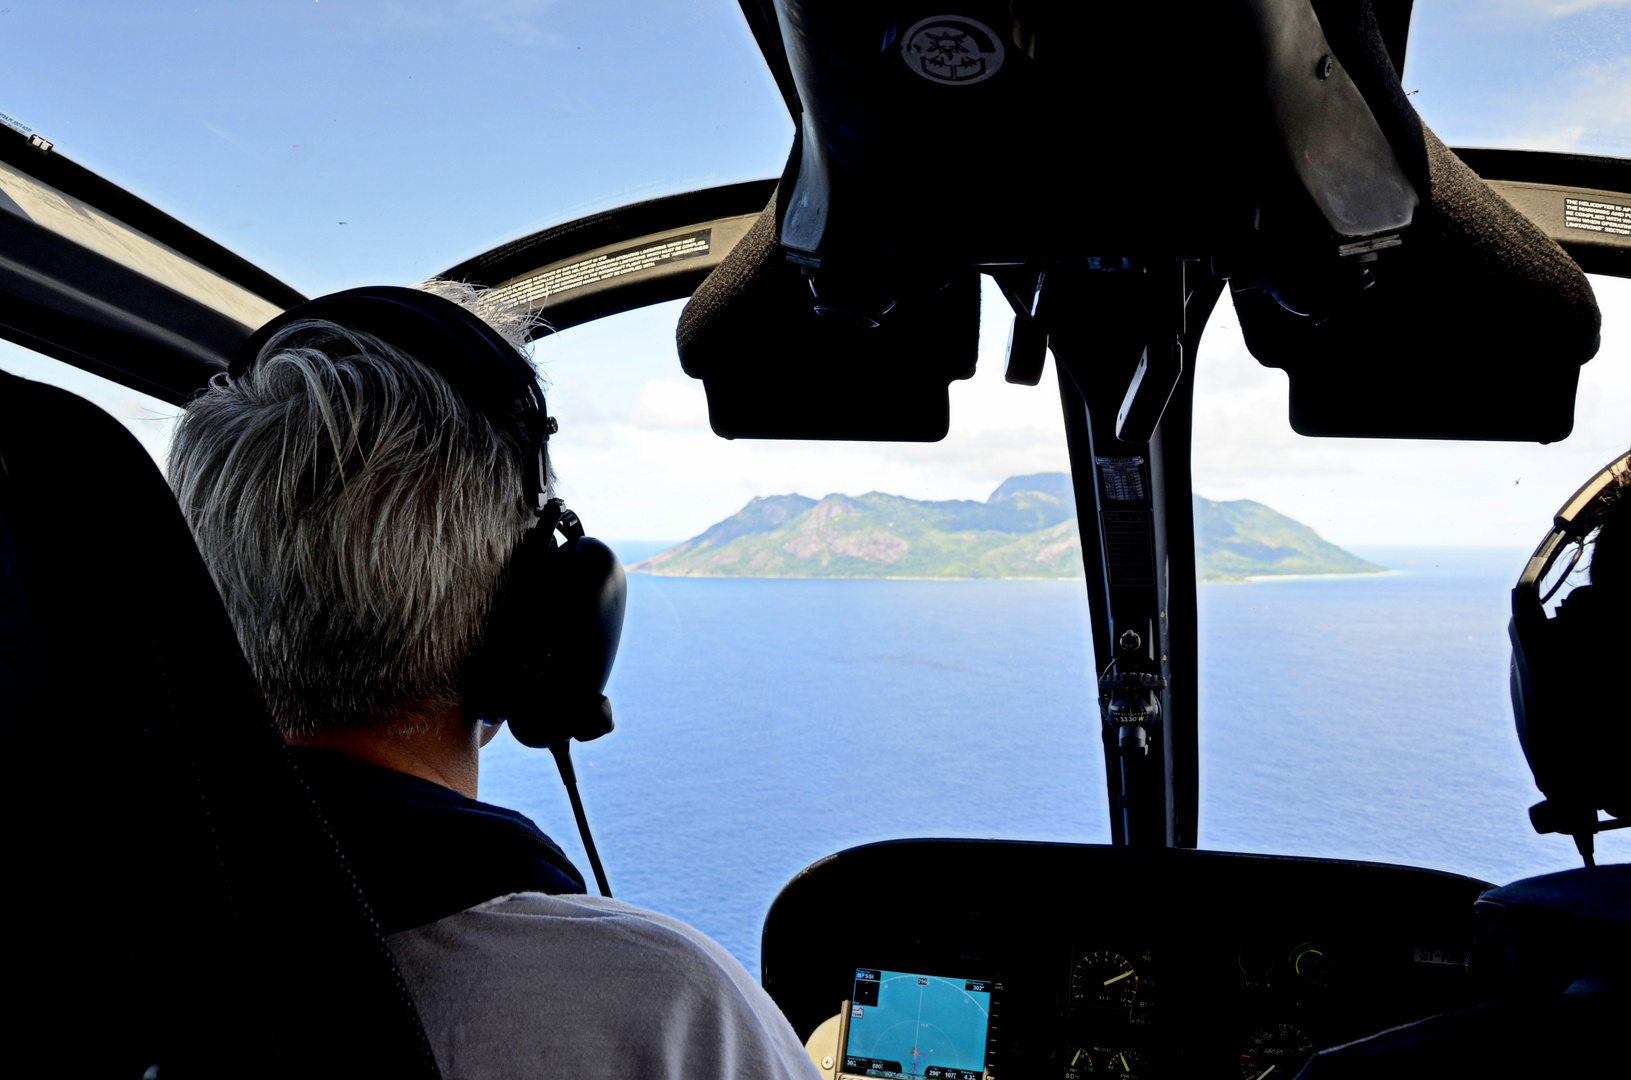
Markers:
1137,522
1028,338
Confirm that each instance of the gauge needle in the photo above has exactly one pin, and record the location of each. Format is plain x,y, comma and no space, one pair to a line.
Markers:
1118,978
1077,1058
1264,1074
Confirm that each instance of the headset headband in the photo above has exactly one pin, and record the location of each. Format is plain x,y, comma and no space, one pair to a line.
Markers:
1573,521
483,369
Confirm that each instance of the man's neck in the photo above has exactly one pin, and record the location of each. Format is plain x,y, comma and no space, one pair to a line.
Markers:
440,746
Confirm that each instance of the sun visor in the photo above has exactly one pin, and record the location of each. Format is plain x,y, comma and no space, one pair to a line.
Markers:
1478,333
1268,140
779,361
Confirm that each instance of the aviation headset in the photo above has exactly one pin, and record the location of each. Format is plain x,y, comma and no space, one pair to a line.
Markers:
1568,691
558,615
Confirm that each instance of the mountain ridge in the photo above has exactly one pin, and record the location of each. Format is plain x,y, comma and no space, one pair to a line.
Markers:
1027,528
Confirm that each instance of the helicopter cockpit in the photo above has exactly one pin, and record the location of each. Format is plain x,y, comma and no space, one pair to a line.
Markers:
1098,178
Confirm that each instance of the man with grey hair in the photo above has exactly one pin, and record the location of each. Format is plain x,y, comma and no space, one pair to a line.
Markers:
358,512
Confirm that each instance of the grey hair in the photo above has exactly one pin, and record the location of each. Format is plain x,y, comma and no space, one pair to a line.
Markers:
357,517
511,321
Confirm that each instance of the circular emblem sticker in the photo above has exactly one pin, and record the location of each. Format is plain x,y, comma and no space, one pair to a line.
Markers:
952,49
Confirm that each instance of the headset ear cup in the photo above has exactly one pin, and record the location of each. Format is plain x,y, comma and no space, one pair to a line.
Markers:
1569,704
553,640
1522,682
1547,701
510,658
1591,743
596,591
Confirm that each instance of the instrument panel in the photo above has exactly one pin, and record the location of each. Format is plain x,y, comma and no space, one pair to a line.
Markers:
1096,962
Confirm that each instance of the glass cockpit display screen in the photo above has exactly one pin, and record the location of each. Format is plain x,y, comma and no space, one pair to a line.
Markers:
902,1024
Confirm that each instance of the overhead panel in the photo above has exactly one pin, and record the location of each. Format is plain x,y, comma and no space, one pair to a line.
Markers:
1580,200
644,253
666,266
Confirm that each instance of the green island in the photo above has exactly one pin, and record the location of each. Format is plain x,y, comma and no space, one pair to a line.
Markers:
1026,529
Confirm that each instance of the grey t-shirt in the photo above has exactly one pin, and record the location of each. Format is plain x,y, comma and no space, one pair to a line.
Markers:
582,987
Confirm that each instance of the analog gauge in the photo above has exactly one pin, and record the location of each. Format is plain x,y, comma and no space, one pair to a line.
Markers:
1118,1065
1277,1050
1105,980
1103,1063
1078,1063
1311,965
1256,961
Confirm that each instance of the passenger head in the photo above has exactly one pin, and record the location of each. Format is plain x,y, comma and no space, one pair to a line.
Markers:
1572,712
357,516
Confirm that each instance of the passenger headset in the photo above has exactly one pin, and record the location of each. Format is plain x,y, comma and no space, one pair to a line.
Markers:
554,629
1570,695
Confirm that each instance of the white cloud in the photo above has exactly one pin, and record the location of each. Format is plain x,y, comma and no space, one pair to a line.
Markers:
678,404
515,19
1359,491
1535,74
1589,110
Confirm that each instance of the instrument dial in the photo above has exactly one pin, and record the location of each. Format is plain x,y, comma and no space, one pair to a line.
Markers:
1078,1063
1277,1050
1102,1063
1104,980
1121,1065
1311,965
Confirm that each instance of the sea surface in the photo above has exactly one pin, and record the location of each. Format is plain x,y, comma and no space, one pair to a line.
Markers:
764,723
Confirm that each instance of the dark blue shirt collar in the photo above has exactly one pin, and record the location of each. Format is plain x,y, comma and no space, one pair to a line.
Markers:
421,851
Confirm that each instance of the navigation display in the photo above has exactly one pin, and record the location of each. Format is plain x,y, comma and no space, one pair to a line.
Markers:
902,1024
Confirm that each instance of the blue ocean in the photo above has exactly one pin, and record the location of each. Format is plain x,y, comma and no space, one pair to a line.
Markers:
763,724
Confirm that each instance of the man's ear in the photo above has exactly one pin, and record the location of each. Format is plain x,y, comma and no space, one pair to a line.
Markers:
488,730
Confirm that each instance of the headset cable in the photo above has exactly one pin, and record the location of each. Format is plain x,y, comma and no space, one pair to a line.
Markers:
563,758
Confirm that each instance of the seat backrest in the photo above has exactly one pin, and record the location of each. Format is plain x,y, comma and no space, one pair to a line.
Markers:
174,896
1544,935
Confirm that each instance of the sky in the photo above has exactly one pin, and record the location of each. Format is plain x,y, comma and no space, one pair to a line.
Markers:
344,143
